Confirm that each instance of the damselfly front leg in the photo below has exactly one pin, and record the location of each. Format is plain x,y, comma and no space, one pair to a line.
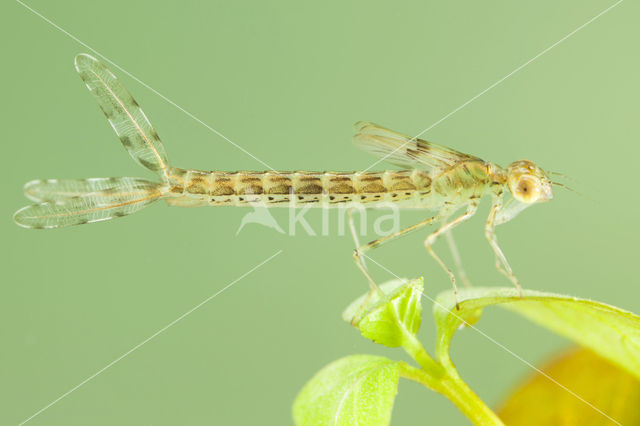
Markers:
500,214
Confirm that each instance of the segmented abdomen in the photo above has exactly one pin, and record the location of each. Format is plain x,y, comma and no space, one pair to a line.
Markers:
323,189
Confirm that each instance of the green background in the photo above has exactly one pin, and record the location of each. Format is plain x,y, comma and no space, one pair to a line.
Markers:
286,81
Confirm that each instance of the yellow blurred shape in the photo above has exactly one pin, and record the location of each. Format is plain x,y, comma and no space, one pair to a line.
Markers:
601,384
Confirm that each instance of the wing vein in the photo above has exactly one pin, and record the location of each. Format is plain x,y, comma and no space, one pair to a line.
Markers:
163,166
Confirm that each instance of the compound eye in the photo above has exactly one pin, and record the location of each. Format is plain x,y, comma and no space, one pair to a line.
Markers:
528,189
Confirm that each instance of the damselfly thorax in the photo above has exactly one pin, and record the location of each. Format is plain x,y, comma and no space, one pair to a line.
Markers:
432,177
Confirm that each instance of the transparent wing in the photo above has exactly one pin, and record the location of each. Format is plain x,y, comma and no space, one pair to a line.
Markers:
127,119
402,150
62,190
75,202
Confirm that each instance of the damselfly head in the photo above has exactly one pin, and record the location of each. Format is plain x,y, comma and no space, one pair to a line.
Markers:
528,183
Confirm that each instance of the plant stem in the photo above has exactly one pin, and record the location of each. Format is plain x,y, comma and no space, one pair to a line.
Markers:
467,401
414,348
457,391
445,380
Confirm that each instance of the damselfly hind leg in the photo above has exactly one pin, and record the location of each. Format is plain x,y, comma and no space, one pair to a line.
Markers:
447,227
490,232
354,235
359,253
362,265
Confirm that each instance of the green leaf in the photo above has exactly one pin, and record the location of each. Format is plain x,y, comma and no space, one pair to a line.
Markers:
609,331
392,319
600,384
355,390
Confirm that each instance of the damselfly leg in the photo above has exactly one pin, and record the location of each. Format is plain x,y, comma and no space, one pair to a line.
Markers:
447,227
455,254
432,177
490,232
359,253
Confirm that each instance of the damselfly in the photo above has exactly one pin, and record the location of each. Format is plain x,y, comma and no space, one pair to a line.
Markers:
433,178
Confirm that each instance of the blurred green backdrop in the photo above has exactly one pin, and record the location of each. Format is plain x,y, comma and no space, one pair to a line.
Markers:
286,80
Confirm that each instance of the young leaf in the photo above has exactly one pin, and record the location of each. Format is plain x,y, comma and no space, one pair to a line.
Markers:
604,386
355,390
392,319
609,331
